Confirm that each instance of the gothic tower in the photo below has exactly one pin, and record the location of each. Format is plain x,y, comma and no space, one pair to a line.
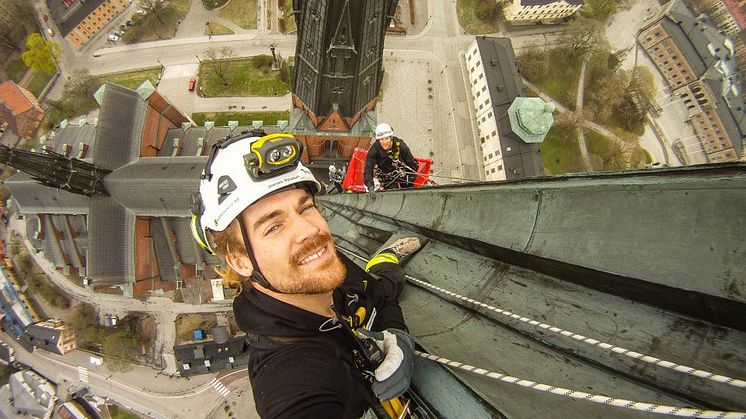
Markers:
57,171
338,73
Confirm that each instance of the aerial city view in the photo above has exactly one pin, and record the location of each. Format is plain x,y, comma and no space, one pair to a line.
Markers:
372,209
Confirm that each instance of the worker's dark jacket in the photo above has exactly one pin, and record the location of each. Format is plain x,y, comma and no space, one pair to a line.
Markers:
300,363
388,159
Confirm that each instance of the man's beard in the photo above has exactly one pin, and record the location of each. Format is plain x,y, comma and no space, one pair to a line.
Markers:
319,279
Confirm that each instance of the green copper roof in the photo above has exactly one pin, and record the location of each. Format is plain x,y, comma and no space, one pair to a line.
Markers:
146,89
531,118
99,95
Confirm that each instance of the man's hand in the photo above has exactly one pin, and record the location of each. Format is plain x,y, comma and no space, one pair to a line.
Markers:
393,376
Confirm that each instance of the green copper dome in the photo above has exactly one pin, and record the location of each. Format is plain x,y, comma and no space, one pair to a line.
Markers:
531,118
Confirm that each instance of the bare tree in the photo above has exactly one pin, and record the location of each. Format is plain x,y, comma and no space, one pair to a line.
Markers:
583,37
217,60
12,29
155,7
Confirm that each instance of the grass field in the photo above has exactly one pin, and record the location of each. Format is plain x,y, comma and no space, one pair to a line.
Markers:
560,152
152,28
37,82
560,80
16,69
243,118
117,412
478,16
246,76
218,29
131,79
240,12
286,19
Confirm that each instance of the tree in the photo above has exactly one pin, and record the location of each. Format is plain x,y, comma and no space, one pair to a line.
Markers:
155,7
583,37
533,62
217,60
40,54
80,87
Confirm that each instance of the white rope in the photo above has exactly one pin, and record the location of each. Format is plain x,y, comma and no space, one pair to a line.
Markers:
580,395
578,337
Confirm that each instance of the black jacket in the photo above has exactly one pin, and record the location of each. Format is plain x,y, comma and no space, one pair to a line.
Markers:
385,159
298,371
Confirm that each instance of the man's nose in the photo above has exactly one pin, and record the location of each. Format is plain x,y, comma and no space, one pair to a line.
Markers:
304,228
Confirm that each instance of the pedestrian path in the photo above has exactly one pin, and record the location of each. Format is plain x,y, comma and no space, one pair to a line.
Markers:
219,387
83,374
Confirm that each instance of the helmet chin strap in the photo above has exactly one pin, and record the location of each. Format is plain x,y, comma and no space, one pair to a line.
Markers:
256,275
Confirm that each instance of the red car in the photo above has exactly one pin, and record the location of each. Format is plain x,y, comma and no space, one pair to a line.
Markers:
192,83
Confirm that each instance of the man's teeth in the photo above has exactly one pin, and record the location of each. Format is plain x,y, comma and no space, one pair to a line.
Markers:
313,256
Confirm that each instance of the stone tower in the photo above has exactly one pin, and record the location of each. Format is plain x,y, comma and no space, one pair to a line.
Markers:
338,73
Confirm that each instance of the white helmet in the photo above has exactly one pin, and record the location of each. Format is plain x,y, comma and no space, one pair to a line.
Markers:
333,168
239,172
384,130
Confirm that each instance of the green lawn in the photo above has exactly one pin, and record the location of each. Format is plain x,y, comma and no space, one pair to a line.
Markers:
16,69
152,28
131,79
560,78
37,82
247,77
560,152
604,152
240,12
218,29
119,413
478,16
243,118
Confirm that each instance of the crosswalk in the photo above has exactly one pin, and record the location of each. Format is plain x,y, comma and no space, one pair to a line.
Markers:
219,387
83,374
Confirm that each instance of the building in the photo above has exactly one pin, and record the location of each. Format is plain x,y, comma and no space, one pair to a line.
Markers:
698,64
727,15
16,313
529,12
20,109
206,356
495,84
27,394
80,20
337,75
52,336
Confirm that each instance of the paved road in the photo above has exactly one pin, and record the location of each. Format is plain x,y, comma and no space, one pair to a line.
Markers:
187,398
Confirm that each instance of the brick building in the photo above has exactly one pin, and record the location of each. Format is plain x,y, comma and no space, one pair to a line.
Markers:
698,62
80,20
529,12
53,336
20,109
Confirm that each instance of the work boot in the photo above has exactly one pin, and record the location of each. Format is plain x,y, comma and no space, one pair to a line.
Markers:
398,252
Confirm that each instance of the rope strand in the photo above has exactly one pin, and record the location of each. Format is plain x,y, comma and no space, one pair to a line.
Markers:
472,303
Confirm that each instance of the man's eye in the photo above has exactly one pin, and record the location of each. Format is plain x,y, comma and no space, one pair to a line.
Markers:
271,229
308,207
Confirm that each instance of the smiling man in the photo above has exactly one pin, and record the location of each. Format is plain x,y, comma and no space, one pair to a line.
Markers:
307,310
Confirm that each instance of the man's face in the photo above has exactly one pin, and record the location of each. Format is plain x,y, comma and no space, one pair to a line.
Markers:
292,244
386,143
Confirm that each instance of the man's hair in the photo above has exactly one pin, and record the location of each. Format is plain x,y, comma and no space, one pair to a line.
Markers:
225,242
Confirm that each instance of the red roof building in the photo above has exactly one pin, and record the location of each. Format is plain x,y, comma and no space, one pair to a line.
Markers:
20,109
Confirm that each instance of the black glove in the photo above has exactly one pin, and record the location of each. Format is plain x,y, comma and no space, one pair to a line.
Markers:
393,376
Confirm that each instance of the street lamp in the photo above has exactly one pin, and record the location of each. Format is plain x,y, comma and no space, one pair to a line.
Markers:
159,62
200,61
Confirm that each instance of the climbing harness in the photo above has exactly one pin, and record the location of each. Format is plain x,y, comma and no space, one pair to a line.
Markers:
595,398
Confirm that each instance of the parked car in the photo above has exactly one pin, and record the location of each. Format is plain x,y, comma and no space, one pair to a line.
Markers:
192,84
50,32
113,37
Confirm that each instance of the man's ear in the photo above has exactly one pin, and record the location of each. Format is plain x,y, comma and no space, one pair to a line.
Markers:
240,263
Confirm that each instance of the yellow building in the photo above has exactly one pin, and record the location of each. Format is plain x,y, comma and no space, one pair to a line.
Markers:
79,21
529,12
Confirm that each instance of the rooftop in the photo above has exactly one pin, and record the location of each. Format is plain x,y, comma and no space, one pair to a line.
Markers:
17,99
67,14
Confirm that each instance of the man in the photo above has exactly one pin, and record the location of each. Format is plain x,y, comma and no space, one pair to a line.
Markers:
305,308
336,176
391,160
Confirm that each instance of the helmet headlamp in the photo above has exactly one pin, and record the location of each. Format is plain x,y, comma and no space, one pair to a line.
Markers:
273,155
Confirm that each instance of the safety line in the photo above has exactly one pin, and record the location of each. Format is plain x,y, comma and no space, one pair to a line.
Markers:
594,398
578,337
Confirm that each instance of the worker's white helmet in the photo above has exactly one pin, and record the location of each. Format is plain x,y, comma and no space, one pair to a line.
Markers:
333,168
384,130
239,172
